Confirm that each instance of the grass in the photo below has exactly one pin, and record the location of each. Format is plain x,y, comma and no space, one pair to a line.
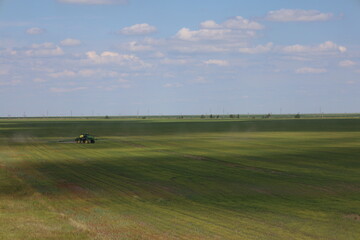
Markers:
180,179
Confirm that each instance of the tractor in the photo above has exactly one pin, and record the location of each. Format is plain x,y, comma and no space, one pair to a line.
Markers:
85,138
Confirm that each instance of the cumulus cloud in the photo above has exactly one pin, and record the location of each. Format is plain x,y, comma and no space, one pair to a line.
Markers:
305,70
70,42
35,31
137,47
210,24
297,15
217,62
202,34
326,47
108,57
237,22
138,29
237,27
44,49
94,2
88,73
347,63
257,49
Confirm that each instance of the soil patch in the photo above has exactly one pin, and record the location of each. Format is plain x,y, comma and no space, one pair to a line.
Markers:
353,216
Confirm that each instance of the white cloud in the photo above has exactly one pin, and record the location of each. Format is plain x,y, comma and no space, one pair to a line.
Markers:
202,34
237,22
35,31
326,47
298,15
108,57
234,28
216,62
87,73
44,49
172,85
70,42
138,29
137,47
65,90
257,49
94,2
241,23
305,70
159,55
210,24
347,63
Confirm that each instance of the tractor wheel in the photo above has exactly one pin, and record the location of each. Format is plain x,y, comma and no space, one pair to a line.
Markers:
87,141
92,141
84,141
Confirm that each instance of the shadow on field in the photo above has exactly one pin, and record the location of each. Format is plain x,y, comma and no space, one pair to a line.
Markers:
210,181
67,128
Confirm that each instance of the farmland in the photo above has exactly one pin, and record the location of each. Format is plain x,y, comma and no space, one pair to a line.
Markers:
180,179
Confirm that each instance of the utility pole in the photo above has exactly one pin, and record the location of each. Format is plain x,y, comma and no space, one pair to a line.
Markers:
321,113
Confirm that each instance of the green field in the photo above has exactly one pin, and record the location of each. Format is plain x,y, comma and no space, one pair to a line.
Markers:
180,179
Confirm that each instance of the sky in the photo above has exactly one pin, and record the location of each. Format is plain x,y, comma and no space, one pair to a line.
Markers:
161,57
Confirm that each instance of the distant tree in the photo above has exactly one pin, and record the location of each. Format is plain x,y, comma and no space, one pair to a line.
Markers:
107,117
238,116
297,115
202,116
211,116
217,116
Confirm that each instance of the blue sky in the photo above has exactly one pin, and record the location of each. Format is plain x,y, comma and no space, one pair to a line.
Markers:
118,57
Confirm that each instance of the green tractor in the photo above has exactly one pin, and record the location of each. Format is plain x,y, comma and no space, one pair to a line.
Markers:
85,138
